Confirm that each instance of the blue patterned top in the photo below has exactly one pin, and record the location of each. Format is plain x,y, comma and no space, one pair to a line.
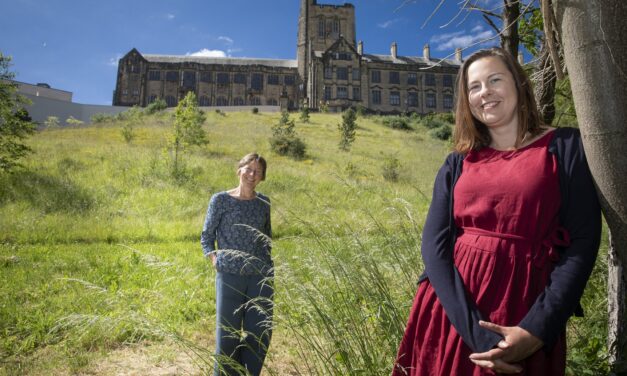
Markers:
243,232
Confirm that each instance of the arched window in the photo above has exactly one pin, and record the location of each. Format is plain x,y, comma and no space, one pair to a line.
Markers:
238,101
221,101
204,101
255,101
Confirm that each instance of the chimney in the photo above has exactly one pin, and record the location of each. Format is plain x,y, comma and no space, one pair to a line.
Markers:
521,58
458,54
360,47
425,52
393,50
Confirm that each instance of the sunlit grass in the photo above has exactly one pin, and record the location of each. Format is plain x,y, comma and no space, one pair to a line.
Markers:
99,246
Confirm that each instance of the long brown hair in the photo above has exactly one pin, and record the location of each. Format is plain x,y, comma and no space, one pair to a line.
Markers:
470,133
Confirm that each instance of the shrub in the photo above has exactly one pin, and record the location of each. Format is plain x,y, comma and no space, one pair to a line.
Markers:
390,168
447,117
432,121
52,122
284,140
156,106
324,106
255,110
396,122
290,146
361,110
73,121
347,129
304,114
443,132
128,131
187,130
101,118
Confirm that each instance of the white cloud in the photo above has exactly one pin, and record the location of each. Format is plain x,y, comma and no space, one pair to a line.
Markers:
207,53
169,16
113,62
226,40
477,29
444,37
450,41
388,23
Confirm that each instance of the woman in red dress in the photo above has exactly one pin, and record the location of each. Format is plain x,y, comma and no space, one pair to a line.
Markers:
510,239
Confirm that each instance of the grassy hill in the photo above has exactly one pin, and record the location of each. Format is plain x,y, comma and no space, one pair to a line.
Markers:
100,253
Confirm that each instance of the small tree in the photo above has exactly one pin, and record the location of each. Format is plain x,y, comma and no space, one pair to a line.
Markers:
187,131
73,121
390,168
52,122
284,140
347,129
15,122
156,106
130,118
304,114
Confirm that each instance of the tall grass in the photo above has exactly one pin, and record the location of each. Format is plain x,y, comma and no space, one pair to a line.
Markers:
346,301
99,247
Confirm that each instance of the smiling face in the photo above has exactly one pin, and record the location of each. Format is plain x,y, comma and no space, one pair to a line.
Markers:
492,94
250,174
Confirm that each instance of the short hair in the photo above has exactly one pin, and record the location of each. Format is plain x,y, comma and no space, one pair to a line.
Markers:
254,157
470,133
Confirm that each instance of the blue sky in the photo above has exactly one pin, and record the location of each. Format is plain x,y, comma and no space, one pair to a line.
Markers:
75,45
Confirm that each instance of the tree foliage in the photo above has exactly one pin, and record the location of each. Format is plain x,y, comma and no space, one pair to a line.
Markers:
284,140
15,122
347,128
187,128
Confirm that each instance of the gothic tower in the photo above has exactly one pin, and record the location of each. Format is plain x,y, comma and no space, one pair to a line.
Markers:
319,27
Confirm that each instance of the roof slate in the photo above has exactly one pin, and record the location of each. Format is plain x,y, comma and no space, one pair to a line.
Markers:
220,60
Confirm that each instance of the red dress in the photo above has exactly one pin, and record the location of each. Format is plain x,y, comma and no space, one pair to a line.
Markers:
506,206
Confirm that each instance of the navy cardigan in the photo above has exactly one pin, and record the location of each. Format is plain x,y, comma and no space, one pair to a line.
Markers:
580,214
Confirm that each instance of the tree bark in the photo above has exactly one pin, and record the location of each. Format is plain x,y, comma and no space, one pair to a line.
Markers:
544,87
595,53
509,37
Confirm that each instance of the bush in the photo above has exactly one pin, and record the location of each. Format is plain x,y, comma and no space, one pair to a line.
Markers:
304,114
361,110
290,146
52,122
156,106
128,131
101,118
255,110
73,121
396,122
347,129
443,132
433,121
284,140
324,107
447,117
390,168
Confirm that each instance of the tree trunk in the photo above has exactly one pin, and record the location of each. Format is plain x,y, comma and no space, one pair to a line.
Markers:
544,87
595,52
509,37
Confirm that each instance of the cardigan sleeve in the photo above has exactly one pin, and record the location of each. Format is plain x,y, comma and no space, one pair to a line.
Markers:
209,229
581,216
437,254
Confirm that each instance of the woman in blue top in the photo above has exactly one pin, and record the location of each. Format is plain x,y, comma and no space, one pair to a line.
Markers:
238,220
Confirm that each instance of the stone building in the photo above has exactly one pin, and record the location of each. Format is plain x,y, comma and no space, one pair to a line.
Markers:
331,70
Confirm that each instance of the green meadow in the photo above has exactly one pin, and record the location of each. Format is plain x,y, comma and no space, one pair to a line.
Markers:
101,270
